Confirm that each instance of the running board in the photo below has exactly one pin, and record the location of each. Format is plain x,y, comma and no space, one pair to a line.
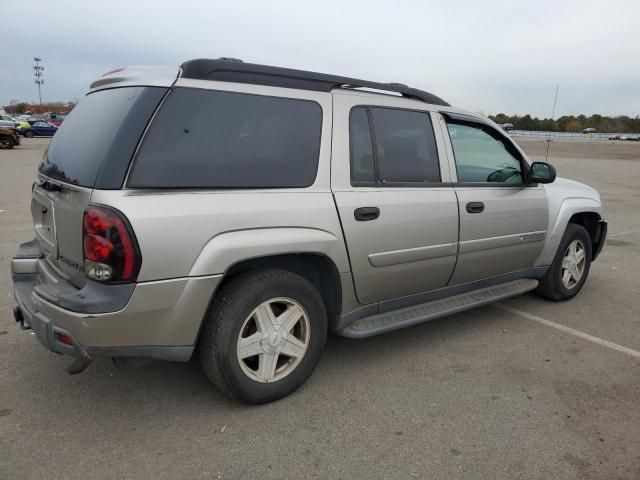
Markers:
396,319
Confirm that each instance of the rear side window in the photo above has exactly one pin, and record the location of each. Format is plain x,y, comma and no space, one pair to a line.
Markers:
390,146
213,139
96,141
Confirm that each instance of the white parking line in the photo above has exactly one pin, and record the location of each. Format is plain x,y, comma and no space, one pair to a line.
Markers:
626,232
570,331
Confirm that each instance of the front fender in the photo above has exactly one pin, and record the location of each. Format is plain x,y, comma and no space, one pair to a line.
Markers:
558,222
228,248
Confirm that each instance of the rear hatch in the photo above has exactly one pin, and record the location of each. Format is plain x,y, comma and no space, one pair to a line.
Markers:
92,149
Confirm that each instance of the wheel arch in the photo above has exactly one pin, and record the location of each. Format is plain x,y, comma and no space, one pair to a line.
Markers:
317,268
317,255
591,221
580,211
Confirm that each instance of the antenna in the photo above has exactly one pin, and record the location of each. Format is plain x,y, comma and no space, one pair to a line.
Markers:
553,114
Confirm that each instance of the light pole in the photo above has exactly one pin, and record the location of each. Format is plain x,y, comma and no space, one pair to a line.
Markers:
38,75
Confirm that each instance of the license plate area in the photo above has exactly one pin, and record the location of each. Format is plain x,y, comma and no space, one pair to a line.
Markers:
42,211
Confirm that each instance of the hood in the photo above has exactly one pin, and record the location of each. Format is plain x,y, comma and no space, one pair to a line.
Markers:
571,189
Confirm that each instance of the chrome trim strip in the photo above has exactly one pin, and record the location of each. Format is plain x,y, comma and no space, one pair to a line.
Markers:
469,246
395,257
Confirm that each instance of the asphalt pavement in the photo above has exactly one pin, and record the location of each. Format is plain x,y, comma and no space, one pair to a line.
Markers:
536,390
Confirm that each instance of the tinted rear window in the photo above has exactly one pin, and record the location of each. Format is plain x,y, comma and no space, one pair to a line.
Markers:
95,143
213,139
391,146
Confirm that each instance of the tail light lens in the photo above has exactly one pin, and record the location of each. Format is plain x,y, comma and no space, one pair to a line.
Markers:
111,252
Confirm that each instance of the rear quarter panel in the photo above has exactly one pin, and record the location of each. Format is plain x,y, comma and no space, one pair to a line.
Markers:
203,233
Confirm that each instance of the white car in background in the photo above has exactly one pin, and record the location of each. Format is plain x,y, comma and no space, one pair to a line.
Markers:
7,121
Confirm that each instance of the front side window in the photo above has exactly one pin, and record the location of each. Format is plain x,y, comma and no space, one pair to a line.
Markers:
483,156
214,139
390,146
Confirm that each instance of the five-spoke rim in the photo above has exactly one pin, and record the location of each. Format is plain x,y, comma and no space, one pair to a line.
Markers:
273,340
573,264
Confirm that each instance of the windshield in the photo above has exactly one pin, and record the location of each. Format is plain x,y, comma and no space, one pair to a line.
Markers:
95,143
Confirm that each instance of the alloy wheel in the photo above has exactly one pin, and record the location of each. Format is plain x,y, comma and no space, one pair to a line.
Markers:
573,264
273,340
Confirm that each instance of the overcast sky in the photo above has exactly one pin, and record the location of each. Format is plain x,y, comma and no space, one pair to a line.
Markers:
500,56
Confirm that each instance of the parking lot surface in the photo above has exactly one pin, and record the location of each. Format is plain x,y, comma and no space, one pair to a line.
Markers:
525,389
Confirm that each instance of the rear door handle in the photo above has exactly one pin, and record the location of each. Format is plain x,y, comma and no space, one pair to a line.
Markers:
364,214
475,207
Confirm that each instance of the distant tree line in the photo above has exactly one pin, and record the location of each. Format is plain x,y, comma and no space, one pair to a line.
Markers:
570,123
18,108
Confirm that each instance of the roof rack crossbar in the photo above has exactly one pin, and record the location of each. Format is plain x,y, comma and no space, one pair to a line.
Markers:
226,70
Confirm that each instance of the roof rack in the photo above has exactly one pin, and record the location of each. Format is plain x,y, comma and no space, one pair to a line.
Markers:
234,70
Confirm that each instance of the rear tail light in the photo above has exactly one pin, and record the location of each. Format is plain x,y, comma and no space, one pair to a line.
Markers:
111,252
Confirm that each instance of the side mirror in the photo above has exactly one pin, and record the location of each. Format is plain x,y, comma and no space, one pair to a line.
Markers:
542,172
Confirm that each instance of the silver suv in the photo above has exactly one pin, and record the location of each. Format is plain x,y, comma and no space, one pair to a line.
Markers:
241,212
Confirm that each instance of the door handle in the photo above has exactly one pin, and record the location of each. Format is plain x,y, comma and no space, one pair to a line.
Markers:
364,214
475,207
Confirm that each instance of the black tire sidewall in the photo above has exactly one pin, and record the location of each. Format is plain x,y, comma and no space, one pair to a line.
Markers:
574,232
28,134
291,286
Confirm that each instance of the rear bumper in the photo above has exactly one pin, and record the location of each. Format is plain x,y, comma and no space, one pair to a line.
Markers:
157,319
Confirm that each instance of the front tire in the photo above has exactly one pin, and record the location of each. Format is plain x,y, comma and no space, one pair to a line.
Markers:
263,336
28,134
6,143
570,267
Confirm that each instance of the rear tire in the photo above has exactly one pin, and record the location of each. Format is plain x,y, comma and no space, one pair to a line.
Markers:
6,143
570,267
28,134
263,336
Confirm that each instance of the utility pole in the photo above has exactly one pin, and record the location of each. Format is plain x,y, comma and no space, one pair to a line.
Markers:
38,75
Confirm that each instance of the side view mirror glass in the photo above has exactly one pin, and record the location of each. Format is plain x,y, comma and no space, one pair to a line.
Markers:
542,172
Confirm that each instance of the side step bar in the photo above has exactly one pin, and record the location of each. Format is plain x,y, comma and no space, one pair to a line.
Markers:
396,319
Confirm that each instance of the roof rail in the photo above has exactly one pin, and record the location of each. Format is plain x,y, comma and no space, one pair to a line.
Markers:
234,70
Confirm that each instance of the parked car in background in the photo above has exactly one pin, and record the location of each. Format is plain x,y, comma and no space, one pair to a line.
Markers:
8,138
56,119
39,129
589,130
8,121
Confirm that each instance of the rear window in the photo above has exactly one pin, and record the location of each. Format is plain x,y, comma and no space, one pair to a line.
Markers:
213,139
391,146
94,145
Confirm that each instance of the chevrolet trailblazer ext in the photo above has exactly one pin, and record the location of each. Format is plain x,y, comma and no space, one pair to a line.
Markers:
242,211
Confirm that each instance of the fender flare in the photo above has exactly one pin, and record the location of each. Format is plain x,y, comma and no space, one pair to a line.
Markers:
568,208
231,247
